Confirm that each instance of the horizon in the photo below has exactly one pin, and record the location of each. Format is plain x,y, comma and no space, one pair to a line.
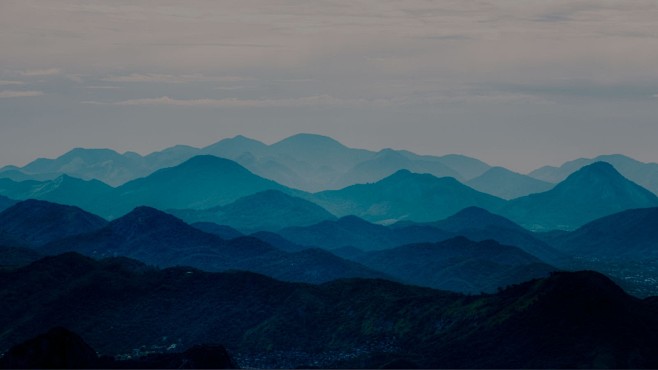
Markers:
518,85
376,150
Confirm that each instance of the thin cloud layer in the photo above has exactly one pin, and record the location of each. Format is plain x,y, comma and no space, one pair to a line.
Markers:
19,94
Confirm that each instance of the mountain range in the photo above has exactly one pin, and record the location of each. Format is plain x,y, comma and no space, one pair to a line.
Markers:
120,305
269,210
405,195
594,191
160,239
645,174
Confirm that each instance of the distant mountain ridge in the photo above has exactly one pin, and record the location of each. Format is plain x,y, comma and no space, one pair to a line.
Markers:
645,174
307,162
594,191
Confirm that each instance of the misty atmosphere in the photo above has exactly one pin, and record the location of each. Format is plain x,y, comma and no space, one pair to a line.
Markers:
336,184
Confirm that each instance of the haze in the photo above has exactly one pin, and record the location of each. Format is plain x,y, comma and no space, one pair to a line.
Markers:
518,84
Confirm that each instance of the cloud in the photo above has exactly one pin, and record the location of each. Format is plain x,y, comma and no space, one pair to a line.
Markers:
102,87
6,82
307,101
167,78
19,94
40,72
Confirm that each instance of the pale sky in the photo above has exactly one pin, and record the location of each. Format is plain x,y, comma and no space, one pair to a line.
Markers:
514,83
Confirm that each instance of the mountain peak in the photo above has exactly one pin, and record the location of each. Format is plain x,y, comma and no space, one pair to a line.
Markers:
309,140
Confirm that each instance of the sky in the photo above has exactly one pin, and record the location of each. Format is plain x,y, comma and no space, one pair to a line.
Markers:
515,83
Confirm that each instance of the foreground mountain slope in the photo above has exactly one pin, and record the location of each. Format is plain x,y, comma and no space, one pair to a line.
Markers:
506,184
160,239
592,192
458,264
37,222
405,196
568,320
269,210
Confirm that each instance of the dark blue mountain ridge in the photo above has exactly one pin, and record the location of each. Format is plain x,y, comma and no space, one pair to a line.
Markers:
160,239
627,235
594,191
37,222
6,202
458,264
479,224
352,231
268,210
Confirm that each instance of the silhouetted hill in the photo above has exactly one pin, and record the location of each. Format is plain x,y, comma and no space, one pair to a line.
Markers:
592,192
567,320
356,232
386,163
59,348
627,235
37,222
405,196
506,184
458,264
269,210
645,174
199,183
6,203
479,224
160,239
12,257
623,245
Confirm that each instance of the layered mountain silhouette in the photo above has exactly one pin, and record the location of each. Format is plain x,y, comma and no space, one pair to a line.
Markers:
458,264
269,210
352,231
627,235
386,163
592,192
89,195
160,239
304,161
35,222
119,305
199,183
405,196
479,224
645,174
507,184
